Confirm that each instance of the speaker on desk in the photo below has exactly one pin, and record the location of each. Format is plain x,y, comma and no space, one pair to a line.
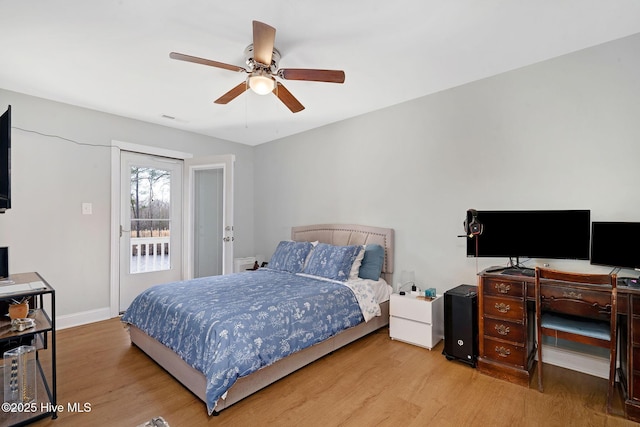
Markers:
461,324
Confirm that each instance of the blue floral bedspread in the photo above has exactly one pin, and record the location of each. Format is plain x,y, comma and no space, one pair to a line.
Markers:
227,329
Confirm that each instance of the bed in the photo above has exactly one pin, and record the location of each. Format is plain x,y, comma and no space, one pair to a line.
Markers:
340,237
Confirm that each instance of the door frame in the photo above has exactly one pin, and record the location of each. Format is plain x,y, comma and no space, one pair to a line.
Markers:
117,148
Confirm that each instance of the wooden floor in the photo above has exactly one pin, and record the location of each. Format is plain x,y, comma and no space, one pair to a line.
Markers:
374,381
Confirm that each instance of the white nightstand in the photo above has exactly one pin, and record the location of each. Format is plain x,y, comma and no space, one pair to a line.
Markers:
416,321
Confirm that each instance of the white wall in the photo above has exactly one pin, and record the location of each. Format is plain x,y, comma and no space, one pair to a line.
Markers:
562,134
51,177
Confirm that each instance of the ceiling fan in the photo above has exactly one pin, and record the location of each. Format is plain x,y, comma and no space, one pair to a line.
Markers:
262,66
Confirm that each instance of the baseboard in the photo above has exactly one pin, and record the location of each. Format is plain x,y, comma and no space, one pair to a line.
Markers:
588,364
78,319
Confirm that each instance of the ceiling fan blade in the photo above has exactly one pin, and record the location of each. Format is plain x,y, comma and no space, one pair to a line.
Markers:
263,38
189,58
232,94
330,76
287,98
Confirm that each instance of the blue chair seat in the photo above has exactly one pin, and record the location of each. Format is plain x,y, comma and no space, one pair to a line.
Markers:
580,326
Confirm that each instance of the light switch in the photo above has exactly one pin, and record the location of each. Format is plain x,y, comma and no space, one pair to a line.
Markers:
87,208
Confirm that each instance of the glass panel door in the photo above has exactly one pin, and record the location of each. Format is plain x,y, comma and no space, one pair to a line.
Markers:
208,206
150,223
209,212
150,219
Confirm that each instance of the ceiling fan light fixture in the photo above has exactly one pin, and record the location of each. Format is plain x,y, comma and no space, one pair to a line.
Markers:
261,83
262,69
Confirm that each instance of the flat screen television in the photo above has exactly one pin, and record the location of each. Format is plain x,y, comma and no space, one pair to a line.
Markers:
5,160
555,234
616,244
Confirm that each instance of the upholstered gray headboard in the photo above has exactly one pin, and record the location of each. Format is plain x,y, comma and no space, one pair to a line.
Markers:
350,234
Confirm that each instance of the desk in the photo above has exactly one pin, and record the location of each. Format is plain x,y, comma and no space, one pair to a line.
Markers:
629,341
507,330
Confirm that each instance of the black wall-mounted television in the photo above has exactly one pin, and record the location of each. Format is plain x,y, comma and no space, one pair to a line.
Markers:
556,234
616,244
5,160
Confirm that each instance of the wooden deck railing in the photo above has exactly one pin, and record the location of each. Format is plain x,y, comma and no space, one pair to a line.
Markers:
149,246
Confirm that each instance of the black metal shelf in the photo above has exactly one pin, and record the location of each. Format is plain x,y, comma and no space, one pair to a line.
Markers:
43,337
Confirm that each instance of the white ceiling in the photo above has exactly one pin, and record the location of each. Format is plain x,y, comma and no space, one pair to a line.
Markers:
113,55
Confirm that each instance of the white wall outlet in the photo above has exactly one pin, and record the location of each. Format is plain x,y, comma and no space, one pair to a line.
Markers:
87,208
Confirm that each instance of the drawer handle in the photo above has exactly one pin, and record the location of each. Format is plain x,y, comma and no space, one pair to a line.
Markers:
503,288
503,352
502,307
502,329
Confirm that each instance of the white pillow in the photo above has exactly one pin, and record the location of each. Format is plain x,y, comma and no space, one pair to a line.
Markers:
355,268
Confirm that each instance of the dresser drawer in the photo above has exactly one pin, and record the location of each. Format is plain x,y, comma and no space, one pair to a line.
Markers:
503,288
635,328
502,352
576,301
504,308
636,387
502,329
635,354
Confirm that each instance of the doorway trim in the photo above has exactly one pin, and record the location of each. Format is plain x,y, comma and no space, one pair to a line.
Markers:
117,148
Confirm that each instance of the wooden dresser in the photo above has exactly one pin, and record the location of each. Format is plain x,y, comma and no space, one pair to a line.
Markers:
506,327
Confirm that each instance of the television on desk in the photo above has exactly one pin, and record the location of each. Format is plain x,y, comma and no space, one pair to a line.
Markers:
5,160
555,234
616,244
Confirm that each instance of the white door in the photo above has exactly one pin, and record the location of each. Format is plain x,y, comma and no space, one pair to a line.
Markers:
150,223
209,213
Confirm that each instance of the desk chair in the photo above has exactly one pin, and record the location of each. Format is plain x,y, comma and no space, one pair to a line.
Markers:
580,308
